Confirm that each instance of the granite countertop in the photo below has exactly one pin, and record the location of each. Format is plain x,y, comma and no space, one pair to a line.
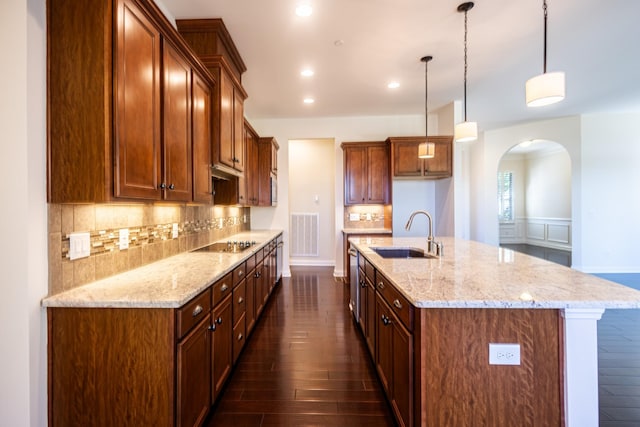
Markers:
475,275
168,283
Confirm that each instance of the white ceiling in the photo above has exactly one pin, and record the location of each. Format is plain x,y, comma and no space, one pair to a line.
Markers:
595,42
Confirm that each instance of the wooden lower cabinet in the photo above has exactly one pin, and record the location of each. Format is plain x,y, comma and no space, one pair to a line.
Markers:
150,366
394,362
221,347
194,367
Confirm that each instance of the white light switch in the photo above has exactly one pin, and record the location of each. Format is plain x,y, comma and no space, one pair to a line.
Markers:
79,245
354,217
504,354
124,238
174,230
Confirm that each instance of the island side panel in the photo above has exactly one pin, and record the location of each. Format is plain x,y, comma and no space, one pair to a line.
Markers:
456,386
111,367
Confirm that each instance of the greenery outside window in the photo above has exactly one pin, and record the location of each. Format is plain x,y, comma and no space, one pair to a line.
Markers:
505,196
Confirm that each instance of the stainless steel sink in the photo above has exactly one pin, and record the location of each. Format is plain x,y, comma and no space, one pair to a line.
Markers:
395,252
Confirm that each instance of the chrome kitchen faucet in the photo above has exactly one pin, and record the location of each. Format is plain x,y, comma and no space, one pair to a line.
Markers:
430,241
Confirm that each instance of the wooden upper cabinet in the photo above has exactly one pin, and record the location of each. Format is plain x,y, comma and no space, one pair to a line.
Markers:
406,163
119,100
201,116
177,149
267,147
251,171
137,113
210,40
366,173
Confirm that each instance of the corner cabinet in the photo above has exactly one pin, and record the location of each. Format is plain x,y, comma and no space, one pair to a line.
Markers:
120,128
406,164
366,173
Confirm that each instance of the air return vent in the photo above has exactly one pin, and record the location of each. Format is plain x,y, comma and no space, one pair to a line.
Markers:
304,234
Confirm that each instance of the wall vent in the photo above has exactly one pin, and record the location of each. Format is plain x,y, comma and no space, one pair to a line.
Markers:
304,234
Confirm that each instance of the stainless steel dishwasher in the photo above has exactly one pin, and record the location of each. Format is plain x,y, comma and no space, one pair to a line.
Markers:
354,295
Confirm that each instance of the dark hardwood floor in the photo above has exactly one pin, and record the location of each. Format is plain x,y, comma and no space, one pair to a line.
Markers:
305,364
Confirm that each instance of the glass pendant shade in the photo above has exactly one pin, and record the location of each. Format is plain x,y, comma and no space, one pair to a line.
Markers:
466,131
545,89
427,150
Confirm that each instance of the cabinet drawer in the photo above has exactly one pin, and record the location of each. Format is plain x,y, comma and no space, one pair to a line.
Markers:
369,271
398,303
251,263
239,273
239,304
221,289
192,312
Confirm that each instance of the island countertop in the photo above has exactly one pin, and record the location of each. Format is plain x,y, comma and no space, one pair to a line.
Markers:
168,283
476,275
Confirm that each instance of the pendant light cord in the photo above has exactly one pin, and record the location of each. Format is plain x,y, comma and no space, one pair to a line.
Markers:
465,66
544,8
426,100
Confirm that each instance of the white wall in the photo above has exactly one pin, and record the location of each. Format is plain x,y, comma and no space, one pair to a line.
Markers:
610,211
548,185
23,262
312,175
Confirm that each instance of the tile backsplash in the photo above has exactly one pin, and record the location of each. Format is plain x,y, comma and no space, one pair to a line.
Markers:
150,239
367,216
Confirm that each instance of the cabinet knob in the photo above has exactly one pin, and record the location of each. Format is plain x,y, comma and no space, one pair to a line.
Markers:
219,320
240,336
212,327
224,288
172,187
381,285
163,186
397,303
197,310
240,300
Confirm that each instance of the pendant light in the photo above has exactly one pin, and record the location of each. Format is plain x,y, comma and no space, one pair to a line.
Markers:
426,150
465,131
547,88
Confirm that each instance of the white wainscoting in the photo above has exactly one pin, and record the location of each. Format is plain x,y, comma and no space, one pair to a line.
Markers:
547,232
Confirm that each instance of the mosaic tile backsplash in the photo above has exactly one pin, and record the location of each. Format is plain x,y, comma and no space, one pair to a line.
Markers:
150,236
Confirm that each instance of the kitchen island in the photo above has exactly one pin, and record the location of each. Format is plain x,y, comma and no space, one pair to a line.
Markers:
430,322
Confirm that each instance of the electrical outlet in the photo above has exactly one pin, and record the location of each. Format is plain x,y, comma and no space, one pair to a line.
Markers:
123,239
504,354
354,217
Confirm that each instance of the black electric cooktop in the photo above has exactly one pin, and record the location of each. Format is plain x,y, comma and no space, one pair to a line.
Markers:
230,247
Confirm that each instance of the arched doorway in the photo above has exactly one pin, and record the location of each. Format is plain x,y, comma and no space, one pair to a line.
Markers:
534,200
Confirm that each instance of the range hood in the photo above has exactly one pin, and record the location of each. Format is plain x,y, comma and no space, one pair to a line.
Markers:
219,171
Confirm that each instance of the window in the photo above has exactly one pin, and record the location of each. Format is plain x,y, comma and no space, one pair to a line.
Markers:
505,196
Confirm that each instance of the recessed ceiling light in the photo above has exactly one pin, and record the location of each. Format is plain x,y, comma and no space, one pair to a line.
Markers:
304,9
307,72
393,85
338,43
309,100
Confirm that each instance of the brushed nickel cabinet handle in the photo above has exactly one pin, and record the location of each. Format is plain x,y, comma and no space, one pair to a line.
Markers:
381,285
240,337
397,303
240,300
224,288
197,310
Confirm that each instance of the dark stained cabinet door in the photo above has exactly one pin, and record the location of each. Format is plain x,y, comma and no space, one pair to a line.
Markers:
441,164
177,151
226,120
252,171
137,112
366,173
201,116
193,384
222,352
378,174
355,178
384,345
370,322
238,130
406,162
